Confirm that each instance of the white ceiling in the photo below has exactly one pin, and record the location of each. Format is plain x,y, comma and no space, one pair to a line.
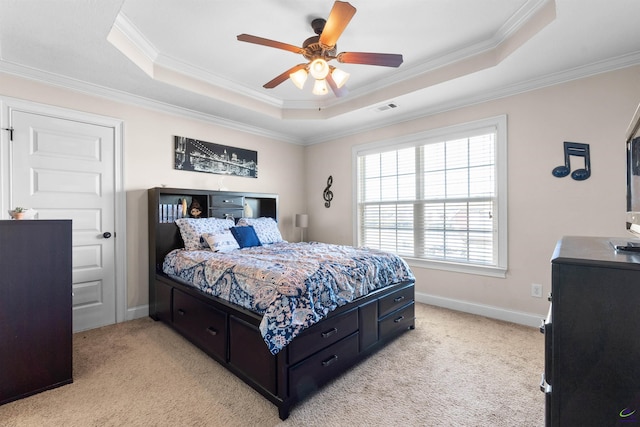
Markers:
183,56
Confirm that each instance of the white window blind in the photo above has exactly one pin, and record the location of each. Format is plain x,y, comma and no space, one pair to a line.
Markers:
436,198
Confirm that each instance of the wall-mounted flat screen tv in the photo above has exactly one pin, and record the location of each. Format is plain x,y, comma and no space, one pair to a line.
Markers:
633,175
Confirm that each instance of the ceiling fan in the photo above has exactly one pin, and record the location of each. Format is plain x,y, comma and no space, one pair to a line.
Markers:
320,49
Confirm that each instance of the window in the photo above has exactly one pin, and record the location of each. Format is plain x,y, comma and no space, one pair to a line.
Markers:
438,199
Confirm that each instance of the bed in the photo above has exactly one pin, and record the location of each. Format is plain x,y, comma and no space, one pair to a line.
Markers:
283,334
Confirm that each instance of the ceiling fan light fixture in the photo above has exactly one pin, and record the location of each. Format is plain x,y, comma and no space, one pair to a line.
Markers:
322,48
340,77
320,87
319,69
299,78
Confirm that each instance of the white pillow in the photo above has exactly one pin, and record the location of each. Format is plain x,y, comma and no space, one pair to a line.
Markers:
221,242
266,229
192,228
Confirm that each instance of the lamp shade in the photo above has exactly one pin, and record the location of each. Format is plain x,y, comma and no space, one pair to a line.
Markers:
320,87
302,220
319,68
298,78
340,77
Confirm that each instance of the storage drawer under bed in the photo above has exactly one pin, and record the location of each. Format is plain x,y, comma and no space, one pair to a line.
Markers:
394,301
322,335
203,324
397,320
310,374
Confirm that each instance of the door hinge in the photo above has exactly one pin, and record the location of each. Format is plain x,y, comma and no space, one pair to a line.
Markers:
10,133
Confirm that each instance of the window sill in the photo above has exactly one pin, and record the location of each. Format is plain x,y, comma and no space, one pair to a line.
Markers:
492,271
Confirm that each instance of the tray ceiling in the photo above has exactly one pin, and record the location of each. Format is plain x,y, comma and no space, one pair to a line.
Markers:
184,56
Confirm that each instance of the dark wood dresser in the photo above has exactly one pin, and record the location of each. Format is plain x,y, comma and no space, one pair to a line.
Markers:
35,307
592,335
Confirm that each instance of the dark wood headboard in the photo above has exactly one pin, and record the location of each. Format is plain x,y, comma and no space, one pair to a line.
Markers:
165,206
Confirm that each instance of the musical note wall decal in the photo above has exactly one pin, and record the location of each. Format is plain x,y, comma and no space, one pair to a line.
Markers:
575,149
327,194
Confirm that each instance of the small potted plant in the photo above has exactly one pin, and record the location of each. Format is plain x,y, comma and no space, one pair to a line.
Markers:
18,212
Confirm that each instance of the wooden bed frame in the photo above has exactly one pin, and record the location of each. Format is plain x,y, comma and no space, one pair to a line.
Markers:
229,333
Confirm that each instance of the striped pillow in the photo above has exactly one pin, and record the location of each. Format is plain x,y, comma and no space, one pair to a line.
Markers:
221,242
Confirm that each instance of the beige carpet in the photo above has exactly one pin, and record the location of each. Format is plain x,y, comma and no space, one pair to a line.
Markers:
454,369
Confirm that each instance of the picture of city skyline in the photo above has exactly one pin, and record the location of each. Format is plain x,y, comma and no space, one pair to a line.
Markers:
200,156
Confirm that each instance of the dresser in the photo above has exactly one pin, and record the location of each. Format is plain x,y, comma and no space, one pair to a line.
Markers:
592,335
35,307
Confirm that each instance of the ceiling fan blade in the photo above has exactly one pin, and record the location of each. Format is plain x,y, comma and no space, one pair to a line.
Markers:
271,43
338,91
383,59
282,77
339,17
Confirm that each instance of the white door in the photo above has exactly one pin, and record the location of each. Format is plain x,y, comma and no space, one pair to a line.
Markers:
65,169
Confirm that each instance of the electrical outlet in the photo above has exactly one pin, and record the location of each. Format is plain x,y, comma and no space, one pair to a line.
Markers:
536,290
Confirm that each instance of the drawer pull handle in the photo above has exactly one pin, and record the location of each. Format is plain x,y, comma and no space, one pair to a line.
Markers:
545,387
398,299
329,333
399,319
330,360
212,331
181,312
227,201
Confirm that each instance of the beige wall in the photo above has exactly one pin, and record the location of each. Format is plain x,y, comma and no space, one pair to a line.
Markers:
148,162
542,208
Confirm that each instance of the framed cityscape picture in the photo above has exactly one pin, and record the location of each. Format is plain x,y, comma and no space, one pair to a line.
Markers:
200,156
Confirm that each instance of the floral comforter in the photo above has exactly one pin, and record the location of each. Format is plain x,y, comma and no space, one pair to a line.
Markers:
293,285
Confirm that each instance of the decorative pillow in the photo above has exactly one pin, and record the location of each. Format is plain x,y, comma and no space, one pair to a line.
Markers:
221,242
266,229
192,228
246,236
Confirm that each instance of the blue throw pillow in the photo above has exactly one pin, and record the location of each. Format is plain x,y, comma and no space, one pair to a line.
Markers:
245,236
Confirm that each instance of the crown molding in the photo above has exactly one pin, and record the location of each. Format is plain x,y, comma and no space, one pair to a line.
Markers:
611,64
128,98
526,22
566,76
123,27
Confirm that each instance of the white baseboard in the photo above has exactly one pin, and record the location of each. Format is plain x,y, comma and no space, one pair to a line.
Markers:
527,319
137,312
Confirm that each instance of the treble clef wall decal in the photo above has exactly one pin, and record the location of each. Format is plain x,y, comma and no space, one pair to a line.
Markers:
327,195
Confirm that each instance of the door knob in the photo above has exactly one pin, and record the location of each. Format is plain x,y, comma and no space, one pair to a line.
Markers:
106,234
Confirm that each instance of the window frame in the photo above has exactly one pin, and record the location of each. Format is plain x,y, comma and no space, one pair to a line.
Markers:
497,123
